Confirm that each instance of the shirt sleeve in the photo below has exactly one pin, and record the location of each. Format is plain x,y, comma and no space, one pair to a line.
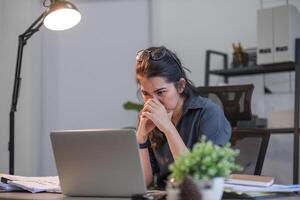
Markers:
214,125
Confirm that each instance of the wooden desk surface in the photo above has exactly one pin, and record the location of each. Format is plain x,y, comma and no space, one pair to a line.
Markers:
27,196
53,196
47,196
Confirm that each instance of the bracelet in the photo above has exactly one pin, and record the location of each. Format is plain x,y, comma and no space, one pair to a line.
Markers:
144,145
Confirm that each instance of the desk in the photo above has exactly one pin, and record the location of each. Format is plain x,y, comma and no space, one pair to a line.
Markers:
48,196
52,196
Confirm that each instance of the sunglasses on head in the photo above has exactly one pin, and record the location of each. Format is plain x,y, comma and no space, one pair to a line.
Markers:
158,54
155,54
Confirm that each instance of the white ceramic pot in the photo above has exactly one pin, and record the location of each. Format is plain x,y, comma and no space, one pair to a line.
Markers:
212,189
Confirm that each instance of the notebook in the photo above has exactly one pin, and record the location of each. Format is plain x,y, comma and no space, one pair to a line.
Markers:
103,163
251,180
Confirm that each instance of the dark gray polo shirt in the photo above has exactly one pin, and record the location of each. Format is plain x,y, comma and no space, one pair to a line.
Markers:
200,117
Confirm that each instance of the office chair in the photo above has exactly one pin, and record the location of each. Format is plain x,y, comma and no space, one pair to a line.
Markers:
236,103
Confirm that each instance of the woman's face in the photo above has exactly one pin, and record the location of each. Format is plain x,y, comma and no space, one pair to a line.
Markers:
158,88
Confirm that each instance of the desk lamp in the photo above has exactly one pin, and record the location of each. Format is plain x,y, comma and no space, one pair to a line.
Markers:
59,15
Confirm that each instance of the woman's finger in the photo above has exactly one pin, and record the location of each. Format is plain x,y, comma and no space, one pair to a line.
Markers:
148,115
153,104
147,108
158,103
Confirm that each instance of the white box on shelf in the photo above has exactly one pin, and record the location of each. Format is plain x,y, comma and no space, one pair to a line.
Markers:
286,26
264,36
277,30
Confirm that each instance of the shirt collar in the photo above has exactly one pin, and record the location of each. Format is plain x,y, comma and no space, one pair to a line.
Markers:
193,102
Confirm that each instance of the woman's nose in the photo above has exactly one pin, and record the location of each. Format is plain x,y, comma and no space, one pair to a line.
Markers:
146,98
155,97
151,97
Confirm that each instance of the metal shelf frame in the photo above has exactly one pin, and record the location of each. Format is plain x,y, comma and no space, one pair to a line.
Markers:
263,69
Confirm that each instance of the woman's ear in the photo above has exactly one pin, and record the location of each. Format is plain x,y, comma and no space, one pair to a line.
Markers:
181,85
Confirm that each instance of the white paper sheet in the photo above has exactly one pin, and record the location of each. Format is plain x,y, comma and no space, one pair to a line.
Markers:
272,188
31,184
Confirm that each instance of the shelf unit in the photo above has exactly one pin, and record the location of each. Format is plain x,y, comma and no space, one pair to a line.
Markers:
263,69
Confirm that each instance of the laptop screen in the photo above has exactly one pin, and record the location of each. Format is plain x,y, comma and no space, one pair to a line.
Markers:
98,162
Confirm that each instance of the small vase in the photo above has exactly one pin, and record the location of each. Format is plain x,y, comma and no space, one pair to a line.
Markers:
211,189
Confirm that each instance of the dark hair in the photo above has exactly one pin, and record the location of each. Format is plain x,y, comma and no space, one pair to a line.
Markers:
162,62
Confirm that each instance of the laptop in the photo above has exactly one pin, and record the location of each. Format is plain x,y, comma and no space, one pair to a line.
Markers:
102,163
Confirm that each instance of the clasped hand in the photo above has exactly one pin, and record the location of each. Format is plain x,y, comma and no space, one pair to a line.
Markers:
153,114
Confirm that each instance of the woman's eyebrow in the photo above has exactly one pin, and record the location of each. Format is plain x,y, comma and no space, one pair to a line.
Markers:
144,91
159,89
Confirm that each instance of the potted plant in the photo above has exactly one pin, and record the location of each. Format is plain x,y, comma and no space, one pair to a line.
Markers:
206,165
129,105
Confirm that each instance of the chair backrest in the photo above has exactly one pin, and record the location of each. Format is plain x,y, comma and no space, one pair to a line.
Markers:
235,100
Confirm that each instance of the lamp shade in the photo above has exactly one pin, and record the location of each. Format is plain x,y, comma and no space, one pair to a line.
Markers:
61,15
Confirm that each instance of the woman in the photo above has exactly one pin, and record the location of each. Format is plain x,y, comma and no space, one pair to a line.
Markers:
174,116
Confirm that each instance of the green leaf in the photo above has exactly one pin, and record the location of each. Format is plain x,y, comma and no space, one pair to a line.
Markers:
132,106
205,161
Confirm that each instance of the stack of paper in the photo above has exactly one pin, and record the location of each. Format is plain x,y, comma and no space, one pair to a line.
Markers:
239,183
8,187
31,184
273,188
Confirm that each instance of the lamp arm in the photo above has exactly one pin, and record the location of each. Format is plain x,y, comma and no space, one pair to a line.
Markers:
16,88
